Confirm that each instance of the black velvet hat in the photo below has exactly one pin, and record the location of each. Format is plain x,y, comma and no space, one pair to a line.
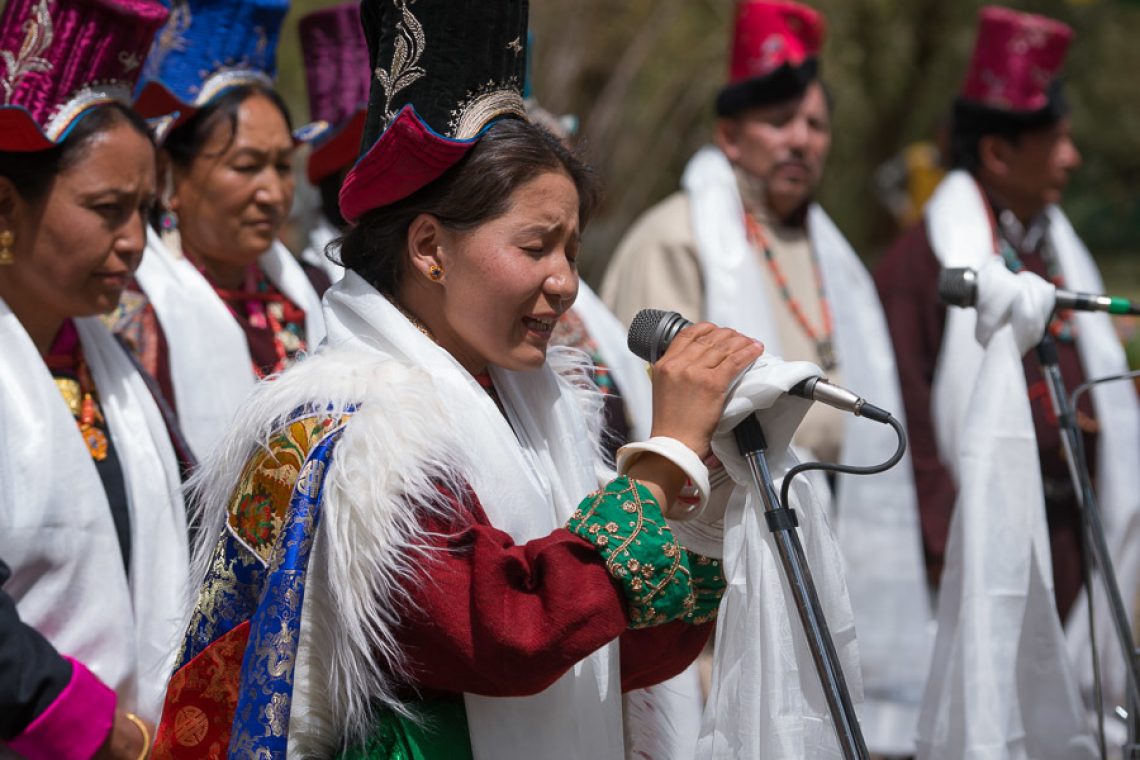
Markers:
442,72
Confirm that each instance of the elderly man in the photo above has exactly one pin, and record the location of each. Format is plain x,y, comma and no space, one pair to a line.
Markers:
743,244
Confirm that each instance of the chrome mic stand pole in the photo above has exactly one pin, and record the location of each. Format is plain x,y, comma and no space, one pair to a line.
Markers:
1094,532
782,523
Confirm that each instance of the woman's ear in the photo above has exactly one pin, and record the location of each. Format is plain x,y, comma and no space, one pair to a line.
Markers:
13,208
426,252
170,179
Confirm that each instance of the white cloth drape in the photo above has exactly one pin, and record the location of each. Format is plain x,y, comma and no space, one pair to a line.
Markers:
876,517
531,474
210,364
997,588
766,700
320,236
56,528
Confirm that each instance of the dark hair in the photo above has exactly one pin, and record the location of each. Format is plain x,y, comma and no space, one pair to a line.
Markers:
970,122
32,172
186,141
476,190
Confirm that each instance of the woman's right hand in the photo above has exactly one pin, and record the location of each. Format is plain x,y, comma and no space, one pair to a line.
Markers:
691,382
127,740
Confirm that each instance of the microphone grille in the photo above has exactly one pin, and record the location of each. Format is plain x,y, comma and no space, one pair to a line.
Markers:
643,332
958,286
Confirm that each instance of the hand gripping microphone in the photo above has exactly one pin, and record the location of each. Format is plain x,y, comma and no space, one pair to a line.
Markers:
958,286
652,330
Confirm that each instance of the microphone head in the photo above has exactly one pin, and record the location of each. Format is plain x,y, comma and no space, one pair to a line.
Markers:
958,286
651,332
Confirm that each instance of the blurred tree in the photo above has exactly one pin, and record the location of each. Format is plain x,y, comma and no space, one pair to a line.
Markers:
641,75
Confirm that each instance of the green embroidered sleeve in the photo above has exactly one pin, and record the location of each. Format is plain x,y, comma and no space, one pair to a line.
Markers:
624,522
708,587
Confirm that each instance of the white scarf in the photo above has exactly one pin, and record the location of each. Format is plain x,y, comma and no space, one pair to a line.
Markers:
210,364
876,517
529,475
320,236
766,700
985,435
629,371
56,528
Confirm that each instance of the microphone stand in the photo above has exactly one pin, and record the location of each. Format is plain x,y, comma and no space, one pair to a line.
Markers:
1094,539
782,523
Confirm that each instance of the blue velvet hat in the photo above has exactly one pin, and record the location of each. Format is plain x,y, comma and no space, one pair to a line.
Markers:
206,48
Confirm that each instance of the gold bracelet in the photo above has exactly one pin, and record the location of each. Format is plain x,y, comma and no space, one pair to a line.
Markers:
145,732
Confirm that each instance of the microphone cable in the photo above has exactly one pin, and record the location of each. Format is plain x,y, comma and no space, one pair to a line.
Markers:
847,469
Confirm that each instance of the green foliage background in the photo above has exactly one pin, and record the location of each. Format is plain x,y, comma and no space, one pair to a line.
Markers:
641,75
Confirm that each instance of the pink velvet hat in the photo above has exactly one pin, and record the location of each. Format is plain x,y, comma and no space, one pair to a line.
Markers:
775,52
61,58
1017,60
338,76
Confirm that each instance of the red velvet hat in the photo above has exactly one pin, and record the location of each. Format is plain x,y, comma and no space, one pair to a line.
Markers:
338,75
62,58
775,49
443,72
1016,62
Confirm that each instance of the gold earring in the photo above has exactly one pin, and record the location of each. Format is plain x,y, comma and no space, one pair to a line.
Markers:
435,271
7,240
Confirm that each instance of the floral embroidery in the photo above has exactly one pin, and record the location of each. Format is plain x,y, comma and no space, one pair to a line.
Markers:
408,49
38,33
625,523
708,588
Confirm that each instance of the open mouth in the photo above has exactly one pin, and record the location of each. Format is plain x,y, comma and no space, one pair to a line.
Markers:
542,326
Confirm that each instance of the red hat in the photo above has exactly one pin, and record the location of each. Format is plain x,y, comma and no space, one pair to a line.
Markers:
1016,62
775,45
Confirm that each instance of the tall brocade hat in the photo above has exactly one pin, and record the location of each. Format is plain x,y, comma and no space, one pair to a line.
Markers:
44,92
338,75
443,71
775,49
1014,72
208,47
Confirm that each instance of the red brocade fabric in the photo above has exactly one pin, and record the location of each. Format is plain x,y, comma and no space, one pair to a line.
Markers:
503,619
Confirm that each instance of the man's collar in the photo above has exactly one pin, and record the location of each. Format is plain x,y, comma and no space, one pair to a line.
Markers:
1023,237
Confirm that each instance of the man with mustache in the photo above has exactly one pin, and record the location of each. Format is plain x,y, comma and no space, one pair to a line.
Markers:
743,244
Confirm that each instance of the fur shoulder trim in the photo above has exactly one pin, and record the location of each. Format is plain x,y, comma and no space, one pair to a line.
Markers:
396,451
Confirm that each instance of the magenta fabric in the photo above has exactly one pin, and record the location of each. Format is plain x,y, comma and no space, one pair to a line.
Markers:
407,156
75,725
337,70
1017,56
769,34
68,55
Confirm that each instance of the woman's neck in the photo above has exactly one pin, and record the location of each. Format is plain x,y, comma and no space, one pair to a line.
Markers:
224,274
416,305
41,325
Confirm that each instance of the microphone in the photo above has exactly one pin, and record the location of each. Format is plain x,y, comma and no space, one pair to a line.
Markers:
958,286
652,330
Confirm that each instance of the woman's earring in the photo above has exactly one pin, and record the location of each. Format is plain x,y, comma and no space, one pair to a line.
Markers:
7,240
435,271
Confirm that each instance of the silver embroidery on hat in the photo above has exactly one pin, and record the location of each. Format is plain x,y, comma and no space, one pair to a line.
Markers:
407,51
38,33
94,94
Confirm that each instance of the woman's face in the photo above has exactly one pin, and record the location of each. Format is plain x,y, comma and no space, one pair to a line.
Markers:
505,283
235,195
77,247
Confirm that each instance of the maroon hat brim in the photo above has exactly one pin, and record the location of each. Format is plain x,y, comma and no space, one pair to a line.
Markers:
19,132
408,156
156,101
338,150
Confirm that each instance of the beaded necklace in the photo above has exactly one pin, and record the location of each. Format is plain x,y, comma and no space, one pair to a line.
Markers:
261,315
824,338
78,393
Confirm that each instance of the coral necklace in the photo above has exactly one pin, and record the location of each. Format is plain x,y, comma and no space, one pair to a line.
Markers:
78,393
824,338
